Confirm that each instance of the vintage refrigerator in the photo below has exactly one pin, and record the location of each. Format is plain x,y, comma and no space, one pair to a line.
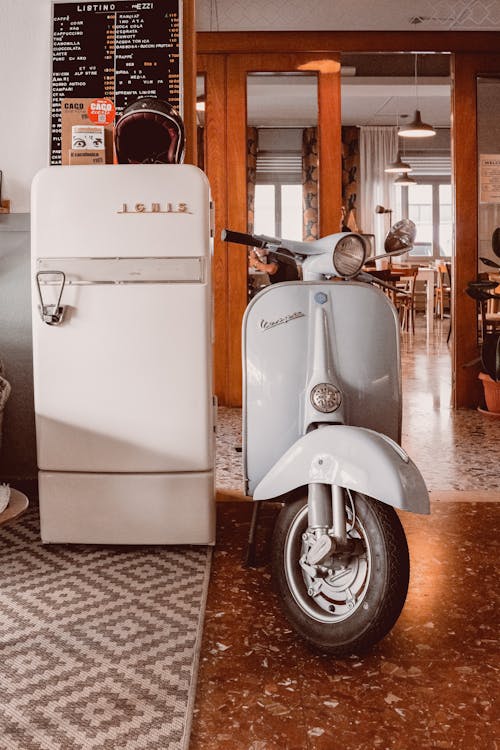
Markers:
122,345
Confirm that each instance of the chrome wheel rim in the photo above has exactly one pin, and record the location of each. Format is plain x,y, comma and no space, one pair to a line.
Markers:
336,592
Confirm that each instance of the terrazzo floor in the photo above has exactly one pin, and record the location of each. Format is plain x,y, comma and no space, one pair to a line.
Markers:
432,682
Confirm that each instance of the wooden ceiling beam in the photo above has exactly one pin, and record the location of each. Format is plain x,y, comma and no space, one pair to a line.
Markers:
347,41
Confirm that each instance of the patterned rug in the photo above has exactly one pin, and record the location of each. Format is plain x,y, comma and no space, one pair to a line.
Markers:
98,645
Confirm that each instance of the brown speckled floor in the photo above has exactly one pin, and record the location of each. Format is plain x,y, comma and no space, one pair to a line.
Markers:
432,682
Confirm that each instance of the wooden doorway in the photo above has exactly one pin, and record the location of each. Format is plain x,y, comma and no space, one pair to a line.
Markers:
226,58
226,128
467,69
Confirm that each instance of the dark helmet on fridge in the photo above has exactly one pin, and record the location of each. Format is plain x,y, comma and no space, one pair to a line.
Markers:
149,131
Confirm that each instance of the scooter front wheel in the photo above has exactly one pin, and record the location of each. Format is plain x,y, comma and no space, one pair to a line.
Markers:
352,599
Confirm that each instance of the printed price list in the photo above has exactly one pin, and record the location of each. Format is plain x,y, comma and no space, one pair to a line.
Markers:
121,51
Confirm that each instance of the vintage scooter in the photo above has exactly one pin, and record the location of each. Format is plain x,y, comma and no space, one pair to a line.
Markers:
321,434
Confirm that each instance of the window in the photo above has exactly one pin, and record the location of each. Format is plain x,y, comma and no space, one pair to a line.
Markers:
265,210
278,210
291,212
429,205
278,190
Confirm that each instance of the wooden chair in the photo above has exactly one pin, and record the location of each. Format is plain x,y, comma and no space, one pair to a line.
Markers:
405,299
448,268
488,317
442,290
491,323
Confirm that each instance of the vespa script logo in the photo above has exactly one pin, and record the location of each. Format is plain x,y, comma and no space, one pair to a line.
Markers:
154,208
266,325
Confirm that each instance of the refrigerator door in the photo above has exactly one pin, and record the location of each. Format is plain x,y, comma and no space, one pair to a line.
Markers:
123,383
120,210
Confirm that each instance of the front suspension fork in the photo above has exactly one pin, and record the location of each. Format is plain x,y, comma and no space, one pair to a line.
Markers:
327,520
326,510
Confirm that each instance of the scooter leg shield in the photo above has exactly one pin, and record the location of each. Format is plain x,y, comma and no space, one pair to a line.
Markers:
352,457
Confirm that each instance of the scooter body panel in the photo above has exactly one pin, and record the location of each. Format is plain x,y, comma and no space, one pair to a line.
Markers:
351,457
359,333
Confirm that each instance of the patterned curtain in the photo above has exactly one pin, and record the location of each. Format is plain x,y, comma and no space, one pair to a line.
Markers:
252,147
310,183
350,176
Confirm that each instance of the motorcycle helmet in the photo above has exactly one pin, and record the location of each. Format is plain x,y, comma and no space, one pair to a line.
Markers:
149,131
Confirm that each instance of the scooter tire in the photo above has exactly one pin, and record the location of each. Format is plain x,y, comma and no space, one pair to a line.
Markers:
386,582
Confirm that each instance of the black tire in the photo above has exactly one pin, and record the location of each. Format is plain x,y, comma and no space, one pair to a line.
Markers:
380,574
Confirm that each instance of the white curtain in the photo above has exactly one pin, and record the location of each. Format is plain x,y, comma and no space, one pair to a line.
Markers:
377,147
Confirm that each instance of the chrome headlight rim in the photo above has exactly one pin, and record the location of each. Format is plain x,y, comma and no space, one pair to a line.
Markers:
339,254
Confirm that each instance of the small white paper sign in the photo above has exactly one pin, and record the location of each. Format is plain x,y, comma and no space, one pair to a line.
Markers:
489,178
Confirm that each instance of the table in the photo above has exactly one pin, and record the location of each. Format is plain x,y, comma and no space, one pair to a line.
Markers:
17,506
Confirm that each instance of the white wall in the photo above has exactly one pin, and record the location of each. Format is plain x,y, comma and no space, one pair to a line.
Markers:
25,95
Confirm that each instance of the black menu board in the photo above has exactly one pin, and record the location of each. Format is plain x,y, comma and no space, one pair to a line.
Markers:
119,51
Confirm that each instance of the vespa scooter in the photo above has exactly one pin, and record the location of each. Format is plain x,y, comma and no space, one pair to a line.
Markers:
321,434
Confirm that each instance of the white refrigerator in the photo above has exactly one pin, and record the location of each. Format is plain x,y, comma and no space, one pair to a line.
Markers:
122,343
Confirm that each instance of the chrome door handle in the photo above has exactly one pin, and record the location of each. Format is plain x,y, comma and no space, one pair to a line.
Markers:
51,313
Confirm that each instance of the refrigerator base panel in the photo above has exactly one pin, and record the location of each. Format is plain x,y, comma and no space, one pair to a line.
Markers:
127,508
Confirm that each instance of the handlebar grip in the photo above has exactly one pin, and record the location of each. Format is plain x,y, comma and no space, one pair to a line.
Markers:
227,235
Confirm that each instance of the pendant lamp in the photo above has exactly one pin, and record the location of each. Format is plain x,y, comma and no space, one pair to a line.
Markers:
417,128
398,165
404,179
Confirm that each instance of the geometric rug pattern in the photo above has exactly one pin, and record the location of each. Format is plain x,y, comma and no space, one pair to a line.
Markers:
99,645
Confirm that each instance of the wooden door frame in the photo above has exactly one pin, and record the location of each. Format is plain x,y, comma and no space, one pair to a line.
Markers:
189,79
260,42
239,66
467,68
474,54
226,125
213,68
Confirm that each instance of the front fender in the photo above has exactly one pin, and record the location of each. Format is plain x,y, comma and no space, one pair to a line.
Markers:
352,457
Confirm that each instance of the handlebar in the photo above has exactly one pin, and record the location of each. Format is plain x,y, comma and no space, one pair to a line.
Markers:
315,257
275,244
252,240
262,242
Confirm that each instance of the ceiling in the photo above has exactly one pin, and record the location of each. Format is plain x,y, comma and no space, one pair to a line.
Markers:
338,15
291,101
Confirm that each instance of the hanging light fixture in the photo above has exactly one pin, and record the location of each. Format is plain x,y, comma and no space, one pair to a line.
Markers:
417,128
405,179
398,165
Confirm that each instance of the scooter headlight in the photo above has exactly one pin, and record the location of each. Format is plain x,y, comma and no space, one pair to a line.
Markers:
349,255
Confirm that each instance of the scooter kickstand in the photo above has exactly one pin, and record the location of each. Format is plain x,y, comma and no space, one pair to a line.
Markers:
251,554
